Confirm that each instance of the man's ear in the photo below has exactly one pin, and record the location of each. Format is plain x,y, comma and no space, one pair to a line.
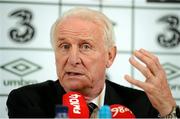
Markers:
111,56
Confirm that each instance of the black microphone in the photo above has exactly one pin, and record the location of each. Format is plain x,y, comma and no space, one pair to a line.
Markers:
61,111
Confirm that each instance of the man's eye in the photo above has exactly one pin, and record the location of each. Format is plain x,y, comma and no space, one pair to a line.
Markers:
85,46
65,46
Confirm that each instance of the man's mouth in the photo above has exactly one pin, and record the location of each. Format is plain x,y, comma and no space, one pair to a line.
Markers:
74,73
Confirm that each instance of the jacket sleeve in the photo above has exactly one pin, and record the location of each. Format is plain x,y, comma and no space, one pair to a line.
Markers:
20,105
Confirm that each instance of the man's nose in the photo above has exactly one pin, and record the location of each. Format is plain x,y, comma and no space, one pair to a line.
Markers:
74,58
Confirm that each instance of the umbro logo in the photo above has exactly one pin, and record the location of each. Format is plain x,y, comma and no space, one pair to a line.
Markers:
21,67
172,71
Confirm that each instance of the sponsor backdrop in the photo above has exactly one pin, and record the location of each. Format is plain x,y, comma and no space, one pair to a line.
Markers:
26,56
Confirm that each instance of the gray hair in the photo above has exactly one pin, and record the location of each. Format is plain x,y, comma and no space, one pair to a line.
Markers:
90,15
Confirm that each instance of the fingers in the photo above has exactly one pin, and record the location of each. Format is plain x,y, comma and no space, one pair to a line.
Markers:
137,83
155,85
151,62
150,67
150,55
143,69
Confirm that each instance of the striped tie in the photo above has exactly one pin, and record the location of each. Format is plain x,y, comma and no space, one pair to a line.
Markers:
91,107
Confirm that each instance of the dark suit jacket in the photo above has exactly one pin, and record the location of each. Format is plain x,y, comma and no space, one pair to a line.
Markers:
39,100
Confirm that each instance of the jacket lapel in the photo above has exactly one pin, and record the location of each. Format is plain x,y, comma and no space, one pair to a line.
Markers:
111,95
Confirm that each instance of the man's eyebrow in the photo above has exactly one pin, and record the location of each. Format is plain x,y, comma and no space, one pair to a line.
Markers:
61,39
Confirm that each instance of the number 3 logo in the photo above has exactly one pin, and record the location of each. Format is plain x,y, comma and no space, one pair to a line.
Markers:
24,31
172,23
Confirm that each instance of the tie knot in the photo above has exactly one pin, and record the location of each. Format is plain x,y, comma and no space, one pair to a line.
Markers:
92,107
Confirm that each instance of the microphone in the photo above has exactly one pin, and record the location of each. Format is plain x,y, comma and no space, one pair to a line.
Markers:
61,111
76,104
104,112
119,111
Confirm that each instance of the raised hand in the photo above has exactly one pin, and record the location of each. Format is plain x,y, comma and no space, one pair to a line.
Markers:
155,85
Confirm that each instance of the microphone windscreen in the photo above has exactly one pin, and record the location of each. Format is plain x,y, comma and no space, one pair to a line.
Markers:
120,111
61,111
104,112
76,104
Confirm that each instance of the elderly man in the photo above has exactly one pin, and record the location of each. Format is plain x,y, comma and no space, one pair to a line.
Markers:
83,42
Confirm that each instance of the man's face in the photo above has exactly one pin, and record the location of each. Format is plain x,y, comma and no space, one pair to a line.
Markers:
81,56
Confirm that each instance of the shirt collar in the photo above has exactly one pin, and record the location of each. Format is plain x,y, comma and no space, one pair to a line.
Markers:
99,100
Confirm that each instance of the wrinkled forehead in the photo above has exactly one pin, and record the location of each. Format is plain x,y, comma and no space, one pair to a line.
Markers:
77,26
75,22
80,21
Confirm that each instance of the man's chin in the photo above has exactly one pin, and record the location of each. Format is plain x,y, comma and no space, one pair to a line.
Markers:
77,87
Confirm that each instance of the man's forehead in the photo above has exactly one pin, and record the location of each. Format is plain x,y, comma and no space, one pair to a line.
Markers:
76,28
74,20
80,38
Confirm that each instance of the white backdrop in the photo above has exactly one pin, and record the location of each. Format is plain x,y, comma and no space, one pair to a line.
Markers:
28,57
